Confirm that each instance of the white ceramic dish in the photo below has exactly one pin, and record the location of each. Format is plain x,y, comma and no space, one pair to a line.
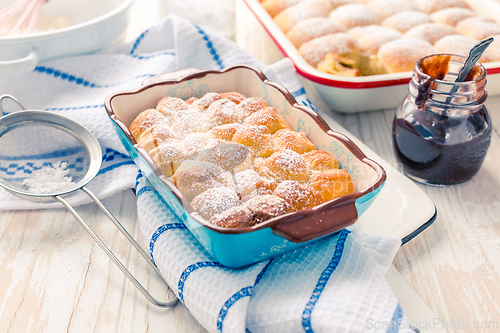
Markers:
350,95
236,247
97,23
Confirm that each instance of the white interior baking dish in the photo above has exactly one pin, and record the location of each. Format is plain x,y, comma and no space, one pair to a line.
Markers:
96,23
236,247
358,94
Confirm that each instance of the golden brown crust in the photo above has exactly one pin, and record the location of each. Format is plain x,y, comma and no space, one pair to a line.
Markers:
320,160
268,117
233,96
296,141
273,7
223,111
292,15
257,138
225,132
478,28
197,156
236,217
298,196
145,120
169,105
156,135
400,55
316,49
332,184
265,207
284,165
201,104
251,105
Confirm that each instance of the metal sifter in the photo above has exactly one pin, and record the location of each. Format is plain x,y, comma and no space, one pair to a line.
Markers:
46,158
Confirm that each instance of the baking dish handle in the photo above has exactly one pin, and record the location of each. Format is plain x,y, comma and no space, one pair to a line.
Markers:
18,66
313,224
170,76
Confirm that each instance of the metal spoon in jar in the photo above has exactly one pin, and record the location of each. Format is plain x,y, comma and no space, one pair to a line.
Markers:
474,54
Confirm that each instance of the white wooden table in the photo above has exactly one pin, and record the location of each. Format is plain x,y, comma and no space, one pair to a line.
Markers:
54,278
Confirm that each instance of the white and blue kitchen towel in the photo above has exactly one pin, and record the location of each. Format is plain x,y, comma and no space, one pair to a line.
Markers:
334,285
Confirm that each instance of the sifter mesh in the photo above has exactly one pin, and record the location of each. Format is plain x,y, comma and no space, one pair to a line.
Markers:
43,154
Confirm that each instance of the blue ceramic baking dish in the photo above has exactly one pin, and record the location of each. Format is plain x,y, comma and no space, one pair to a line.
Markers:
237,247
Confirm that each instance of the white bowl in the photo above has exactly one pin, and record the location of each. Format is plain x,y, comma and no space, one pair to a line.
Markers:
97,23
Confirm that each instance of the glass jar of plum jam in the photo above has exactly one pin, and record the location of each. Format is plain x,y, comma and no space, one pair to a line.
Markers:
442,129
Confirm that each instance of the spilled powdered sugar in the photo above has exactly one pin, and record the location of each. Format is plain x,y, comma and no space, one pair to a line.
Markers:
49,178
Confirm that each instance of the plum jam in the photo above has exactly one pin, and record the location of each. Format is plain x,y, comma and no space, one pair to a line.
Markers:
442,130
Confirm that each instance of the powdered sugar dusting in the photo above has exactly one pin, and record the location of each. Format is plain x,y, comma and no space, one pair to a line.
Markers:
430,32
452,15
297,195
355,14
459,44
190,121
265,207
402,54
371,42
430,6
301,11
478,28
386,8
290,160
251,105
206,161
232,155
145,120
223,111
205,101
316,49
311,28
215,201
404,21
170,105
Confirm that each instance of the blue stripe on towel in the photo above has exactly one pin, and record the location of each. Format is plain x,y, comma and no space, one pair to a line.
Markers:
394,324
110,155
152,55
244,292
308,103
298,93
189,270
211,47
138,41
323,280
144,190
160,231
76,108
261,274
81,81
